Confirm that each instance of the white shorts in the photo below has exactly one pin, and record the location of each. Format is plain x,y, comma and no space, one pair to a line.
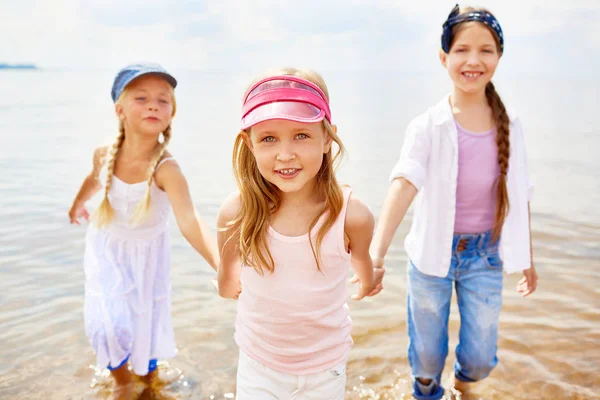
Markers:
257,382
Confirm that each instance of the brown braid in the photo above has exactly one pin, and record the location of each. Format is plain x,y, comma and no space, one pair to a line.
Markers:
503,142
143,206
105,213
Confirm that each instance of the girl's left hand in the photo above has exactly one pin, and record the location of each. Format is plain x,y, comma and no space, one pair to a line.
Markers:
77,212
528,283
376,287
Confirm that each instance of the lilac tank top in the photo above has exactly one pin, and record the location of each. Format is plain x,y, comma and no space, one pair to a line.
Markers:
478,170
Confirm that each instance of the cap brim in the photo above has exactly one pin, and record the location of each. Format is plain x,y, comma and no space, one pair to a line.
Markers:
286,110
169,78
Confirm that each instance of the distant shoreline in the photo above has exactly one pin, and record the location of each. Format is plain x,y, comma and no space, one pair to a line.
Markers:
18,66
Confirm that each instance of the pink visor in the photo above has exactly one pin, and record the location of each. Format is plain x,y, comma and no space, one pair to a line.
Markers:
284,97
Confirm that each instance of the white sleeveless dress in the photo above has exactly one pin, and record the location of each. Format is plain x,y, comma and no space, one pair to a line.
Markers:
128,286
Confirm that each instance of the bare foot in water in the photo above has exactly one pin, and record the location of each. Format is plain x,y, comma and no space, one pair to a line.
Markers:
461,390
123,392
457,388
153,387
150,378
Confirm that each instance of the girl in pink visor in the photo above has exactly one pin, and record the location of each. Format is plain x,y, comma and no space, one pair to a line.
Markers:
287,240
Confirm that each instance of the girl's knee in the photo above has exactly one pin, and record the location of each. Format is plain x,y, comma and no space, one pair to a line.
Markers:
428,363
475,369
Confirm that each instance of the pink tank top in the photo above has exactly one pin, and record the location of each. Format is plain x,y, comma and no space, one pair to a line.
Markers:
478,170
296,319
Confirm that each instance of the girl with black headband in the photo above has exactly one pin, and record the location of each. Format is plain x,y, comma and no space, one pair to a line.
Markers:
465,158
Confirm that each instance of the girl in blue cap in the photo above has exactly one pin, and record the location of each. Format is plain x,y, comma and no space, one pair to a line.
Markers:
466,159
127,253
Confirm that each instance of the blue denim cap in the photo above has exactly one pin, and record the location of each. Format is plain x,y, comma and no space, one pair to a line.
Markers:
131,72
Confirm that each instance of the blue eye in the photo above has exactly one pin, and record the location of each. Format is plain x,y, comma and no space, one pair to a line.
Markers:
302,136
268,139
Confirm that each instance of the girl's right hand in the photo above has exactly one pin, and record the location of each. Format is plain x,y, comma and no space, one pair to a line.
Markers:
369,290
215,284
77,212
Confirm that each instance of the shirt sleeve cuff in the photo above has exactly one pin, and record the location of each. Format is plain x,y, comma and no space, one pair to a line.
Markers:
410,170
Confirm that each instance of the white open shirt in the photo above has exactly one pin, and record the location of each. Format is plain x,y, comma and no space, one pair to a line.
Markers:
429,160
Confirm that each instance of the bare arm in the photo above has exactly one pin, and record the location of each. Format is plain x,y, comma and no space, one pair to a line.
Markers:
359,226
230,267
90,186
400,195
170,178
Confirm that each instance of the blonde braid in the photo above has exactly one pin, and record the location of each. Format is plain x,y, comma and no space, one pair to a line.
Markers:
143,207
105,213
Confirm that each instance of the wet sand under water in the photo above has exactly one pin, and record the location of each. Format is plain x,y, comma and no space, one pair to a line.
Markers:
548,344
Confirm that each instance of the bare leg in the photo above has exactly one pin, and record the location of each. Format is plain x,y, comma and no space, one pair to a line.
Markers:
461,386
123,383
150,379
424,381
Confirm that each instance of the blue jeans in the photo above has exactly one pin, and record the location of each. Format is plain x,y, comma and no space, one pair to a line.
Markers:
476,271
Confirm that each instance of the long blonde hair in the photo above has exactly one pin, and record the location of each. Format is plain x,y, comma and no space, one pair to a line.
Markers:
105,213
259,198
502,123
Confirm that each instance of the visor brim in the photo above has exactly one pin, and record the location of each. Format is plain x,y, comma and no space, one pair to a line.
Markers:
285,110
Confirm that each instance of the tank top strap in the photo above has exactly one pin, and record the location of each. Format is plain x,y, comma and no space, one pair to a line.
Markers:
346,191
338,228
164,160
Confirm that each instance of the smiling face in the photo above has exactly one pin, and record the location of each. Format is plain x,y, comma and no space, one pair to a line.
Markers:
147,105
289,154
473,57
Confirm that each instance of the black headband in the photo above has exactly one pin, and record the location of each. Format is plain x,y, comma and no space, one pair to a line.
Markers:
480,16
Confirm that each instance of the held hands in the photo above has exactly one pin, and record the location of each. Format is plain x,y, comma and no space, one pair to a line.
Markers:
77,212
528,283
215,284
374,288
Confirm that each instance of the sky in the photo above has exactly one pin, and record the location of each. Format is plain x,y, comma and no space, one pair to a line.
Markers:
543,37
